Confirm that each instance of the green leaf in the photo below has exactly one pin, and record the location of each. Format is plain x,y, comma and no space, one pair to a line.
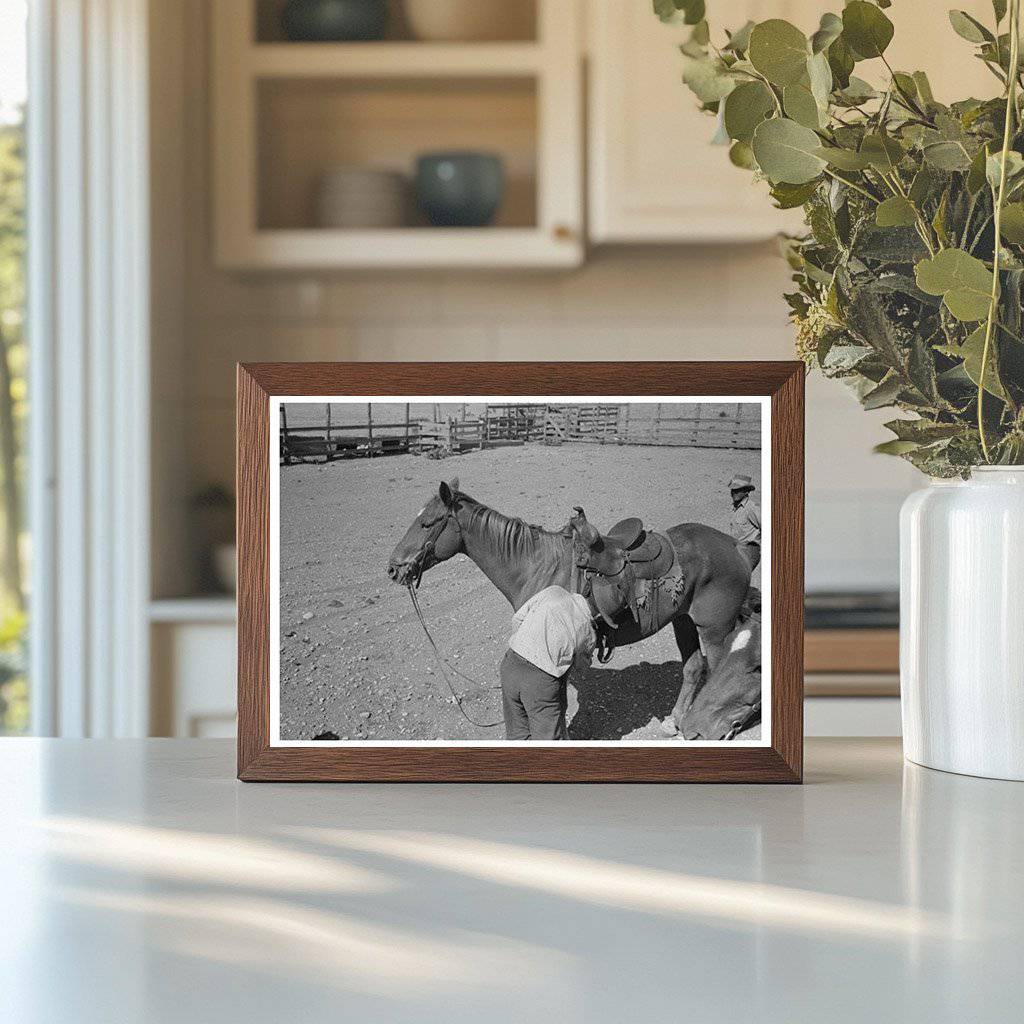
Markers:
885,394
739,41
741,155
788,196
924,88
844,159
829,30
665,10
882,151
993,167
895,447
690,12
963,281
801,106
841,63
895,212
969,28
1012,224
939,220
745,108
976,174
999,9
947,156
701,34
905,84
866,29
707,78
922,185
819,74
787,151
779,51
972,351
922,431
857,91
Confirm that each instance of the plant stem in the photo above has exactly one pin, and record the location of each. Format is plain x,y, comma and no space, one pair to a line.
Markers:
1011,108
853,185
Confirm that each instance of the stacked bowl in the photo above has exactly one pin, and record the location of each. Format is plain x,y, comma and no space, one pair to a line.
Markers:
362,197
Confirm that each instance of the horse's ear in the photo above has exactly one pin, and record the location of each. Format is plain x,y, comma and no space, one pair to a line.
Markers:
446,494
454,485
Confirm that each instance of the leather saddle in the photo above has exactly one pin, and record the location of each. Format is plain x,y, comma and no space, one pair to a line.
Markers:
619,569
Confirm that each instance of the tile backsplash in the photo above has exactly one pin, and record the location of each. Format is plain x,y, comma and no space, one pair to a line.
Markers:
649,304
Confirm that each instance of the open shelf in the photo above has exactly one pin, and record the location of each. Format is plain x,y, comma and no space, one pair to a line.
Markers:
309,127
287,114
520,23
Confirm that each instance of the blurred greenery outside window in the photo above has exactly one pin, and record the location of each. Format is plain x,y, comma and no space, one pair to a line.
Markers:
14,539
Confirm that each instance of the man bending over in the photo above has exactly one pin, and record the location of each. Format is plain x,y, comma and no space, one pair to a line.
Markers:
554,630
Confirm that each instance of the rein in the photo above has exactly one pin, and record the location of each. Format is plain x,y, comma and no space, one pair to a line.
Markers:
442,664
446,668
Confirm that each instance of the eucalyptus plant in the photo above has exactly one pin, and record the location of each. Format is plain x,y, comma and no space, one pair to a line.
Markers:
910,278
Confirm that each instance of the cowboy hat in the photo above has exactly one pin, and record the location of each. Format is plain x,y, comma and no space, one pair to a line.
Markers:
741,483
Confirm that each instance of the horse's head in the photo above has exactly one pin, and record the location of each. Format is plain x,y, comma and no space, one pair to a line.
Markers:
434,536
731,698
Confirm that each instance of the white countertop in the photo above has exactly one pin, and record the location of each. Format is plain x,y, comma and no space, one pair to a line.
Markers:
140,882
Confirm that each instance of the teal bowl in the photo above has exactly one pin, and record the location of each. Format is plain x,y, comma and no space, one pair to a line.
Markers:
334,21
460,190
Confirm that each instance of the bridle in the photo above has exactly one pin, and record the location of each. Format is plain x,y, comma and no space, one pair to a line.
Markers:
419,564
753,715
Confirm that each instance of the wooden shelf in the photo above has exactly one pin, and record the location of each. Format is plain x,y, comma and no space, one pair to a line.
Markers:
852,650
318,248
393,60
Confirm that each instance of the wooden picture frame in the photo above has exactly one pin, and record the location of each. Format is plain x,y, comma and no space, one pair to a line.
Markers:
780,759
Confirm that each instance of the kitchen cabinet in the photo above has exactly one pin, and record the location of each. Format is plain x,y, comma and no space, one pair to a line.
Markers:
653,175
288,114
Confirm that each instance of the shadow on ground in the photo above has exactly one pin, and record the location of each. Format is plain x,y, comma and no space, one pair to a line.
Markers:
615,702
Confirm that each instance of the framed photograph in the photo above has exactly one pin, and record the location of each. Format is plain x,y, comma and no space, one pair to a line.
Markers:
520,571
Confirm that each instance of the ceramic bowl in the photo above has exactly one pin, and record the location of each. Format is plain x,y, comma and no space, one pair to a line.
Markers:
470,20
333,21
359,197
459,189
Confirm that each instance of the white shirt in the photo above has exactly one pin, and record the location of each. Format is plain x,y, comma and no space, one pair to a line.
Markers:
554,628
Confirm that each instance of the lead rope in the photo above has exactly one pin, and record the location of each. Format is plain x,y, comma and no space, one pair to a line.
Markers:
446,668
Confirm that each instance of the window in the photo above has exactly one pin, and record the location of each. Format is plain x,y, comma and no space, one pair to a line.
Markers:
14,691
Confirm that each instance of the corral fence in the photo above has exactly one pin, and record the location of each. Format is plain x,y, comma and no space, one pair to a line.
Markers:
704,425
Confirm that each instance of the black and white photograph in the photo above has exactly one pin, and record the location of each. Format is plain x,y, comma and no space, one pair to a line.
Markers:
502,570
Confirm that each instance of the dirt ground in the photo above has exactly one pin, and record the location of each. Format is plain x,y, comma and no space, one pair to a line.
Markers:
354,660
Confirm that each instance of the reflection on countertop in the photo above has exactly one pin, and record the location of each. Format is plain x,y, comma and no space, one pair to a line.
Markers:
144,883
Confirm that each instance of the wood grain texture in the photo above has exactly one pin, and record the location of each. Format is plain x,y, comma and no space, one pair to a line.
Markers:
852,650
781,762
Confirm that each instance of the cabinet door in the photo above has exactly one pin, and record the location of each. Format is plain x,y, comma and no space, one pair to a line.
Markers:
653,174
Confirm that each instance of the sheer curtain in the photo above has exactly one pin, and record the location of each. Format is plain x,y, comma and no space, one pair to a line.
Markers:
89,335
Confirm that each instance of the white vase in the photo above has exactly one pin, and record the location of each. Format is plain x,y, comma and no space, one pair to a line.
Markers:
962,624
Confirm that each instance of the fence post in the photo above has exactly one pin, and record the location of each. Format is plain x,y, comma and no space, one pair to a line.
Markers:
284,436
369,427
406,426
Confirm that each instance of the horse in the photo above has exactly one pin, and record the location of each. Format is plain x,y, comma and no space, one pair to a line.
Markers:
521,559
730,701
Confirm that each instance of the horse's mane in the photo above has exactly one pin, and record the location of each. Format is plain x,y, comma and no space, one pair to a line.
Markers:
514,534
